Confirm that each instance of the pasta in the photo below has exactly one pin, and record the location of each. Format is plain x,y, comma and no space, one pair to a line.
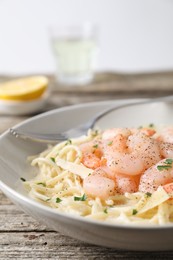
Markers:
62,172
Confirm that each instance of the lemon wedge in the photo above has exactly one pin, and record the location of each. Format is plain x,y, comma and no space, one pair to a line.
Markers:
23,88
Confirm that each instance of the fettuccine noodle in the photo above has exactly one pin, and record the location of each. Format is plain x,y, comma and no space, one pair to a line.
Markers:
59,185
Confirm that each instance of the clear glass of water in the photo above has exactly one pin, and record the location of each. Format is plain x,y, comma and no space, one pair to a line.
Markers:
75,50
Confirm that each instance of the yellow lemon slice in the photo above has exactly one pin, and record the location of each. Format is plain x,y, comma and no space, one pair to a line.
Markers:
24,88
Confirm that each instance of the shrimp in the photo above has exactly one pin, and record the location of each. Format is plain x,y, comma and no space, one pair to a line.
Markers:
91,154
144,130
99,185
146,148
118,158
168,188
166,150
126,183
166,135
148,131
157,175
113,132
131,154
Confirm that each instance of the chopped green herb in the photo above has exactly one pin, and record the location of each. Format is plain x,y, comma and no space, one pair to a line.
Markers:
83,198
22,179
68,142
52,159
94,133
58,200
105,211
134,212
41,183
110,143
151,125
168,164
95,146
89,174
48,199
163,167
169,161
148,194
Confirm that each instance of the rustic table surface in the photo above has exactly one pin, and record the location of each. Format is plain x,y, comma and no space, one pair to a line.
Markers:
21,237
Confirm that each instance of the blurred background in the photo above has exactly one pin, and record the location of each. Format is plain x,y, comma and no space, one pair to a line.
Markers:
134,35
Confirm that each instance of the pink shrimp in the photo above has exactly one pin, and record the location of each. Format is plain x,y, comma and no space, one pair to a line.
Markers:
111,133
166,149
126,132
166,135
118,159
144,130
131,155
101,184
126,183
146,148
91,154
168,188
157,175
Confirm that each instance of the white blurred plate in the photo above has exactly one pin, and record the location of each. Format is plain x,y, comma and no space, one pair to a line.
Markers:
8,107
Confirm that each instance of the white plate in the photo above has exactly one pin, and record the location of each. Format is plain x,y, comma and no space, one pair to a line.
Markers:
13,154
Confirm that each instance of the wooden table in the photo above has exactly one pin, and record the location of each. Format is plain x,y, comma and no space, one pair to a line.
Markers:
21,237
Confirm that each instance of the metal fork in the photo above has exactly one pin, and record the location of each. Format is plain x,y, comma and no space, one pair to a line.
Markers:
83,128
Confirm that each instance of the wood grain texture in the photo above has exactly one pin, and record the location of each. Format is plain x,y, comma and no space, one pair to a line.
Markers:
52,245
21,237
118,82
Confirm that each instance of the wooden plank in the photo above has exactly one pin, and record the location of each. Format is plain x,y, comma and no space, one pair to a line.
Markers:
52,245
13,219
116,82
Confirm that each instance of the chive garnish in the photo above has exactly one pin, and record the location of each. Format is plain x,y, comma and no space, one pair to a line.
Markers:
58,200
134,212
110,143
151,125
22,179
105,211
163,167
167,165
94,133
83,198
148,194
169,161
52,159
95,146
68,142
41,183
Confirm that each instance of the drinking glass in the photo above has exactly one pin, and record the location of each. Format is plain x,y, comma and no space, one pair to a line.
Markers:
75,51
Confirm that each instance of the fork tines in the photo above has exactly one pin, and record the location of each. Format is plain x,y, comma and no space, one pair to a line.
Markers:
13,132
